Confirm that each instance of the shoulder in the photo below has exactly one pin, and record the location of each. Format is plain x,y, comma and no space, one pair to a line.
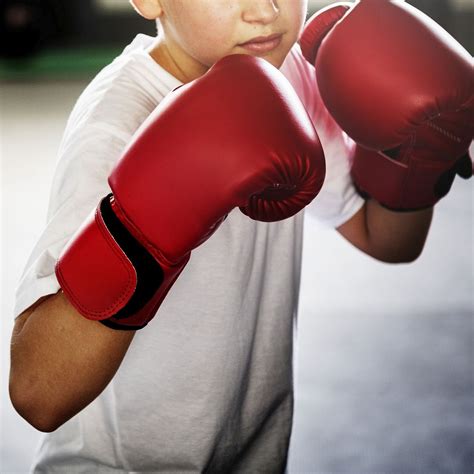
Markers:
106,115
124,92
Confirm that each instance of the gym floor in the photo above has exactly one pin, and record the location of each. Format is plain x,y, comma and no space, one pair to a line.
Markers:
384,353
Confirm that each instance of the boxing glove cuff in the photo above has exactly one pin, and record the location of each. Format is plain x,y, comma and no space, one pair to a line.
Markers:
404,186
109,276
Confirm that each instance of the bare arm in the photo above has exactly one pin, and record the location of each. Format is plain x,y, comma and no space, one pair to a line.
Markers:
60,361
393,237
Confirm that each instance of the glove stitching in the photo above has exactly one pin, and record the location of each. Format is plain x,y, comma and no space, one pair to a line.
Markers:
443,131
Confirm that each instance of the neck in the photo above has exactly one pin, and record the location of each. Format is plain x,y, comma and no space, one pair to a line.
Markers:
170,59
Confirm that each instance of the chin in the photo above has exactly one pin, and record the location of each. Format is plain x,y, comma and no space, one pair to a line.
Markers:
275,58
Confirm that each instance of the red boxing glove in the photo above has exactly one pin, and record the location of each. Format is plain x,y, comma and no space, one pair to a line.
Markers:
237,136
402,88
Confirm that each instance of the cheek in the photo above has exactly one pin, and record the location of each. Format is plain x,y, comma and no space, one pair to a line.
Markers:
296,14
214,41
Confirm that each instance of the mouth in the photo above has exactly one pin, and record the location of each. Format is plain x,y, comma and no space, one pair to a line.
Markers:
262,44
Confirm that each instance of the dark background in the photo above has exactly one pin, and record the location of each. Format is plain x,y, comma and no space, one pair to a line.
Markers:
28,27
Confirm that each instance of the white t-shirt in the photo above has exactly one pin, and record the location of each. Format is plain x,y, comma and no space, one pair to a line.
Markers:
208,384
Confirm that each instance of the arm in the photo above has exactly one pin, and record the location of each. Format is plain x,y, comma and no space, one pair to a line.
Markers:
60,361
392,237
62,356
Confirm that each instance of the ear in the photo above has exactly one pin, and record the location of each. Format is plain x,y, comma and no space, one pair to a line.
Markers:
149,9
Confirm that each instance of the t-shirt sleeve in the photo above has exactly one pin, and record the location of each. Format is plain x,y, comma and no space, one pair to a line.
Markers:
85,160
338,199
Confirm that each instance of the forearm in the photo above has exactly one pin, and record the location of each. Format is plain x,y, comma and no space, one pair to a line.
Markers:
60,362
396,236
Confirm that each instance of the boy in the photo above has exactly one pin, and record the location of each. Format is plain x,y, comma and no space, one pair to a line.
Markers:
207,386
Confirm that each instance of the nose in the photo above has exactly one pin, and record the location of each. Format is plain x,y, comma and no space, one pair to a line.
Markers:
260,11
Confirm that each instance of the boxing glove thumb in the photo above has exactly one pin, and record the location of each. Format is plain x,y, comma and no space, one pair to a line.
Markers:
318,26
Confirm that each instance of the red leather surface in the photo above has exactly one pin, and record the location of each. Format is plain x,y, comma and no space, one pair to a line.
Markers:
148,311
319,25
93,272
237,136
392,77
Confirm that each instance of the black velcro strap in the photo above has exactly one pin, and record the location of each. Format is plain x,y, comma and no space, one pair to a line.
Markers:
149,273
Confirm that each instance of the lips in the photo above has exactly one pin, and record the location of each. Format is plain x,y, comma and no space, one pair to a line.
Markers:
262,44
262,39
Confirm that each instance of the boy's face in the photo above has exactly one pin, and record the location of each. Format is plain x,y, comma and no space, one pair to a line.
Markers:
200,32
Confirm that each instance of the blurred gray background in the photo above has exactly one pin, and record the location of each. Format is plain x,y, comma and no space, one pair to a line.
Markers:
384,379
